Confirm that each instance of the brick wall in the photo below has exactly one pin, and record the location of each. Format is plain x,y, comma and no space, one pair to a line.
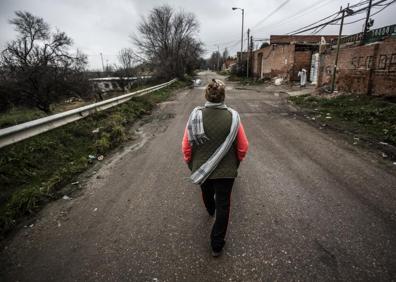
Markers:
228,62
276,60
368,69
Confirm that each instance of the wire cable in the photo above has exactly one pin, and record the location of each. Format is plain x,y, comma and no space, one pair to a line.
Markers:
309,28
271,13
337,13
304,11
373,14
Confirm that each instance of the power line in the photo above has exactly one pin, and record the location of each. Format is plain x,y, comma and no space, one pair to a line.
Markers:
271,13
228,46
222,43
308,28
321,28
362,2
318,4
353,6
237,42
373,14
321,20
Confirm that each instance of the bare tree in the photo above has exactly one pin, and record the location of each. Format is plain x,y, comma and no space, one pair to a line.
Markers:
39,66
225,54
168,41
127,58
214,59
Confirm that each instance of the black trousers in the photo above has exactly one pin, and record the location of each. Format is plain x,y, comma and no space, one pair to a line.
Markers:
216,195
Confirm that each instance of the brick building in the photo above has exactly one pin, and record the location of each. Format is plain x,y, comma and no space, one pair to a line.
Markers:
368,68
363,69
228,63
286,55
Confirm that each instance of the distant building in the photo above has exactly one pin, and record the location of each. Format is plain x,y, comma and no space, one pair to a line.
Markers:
228,63
286,55
105,84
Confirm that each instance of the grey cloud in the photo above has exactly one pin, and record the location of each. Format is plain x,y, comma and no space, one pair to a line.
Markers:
105,26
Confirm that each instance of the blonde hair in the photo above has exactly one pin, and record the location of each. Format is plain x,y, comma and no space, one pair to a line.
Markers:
215,91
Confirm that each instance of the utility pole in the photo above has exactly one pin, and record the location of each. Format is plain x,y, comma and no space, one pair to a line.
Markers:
243,16
101,56
218,57
251,49
243,19
247,54
364,39
349,12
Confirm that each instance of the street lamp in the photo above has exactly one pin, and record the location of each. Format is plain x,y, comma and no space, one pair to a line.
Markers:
243,16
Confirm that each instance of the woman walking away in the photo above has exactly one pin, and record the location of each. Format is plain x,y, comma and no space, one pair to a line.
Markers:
214,144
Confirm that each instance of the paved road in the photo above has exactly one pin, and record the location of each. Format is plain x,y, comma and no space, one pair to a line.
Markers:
307,206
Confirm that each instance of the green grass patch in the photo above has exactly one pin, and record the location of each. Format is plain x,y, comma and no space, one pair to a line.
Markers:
224,72
19,115
372,117
33,171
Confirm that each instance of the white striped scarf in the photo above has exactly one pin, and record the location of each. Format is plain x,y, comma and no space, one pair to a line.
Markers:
196,136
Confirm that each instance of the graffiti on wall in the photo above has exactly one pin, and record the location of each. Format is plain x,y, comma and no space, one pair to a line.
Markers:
384,62
362,62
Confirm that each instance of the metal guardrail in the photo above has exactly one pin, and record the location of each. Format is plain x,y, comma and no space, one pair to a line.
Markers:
29,129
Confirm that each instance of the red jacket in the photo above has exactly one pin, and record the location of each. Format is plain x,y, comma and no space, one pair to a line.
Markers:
242,145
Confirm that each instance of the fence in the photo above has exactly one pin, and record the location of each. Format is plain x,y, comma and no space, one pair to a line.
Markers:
372,35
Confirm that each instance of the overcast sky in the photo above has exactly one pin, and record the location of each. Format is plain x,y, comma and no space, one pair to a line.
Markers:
104,26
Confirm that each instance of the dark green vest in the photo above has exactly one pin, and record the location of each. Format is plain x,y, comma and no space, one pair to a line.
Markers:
217,124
